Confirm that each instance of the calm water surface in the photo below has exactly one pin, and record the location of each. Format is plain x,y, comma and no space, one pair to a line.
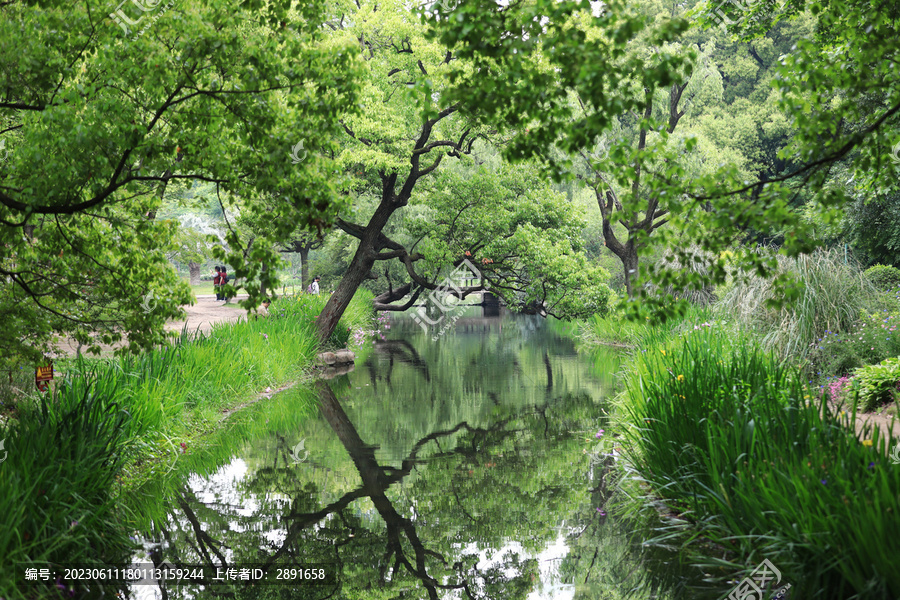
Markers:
466,467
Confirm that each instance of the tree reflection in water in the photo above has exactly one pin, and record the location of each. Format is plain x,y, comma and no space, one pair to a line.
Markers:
452,502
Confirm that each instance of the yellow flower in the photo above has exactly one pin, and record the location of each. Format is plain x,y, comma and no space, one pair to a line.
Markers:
867,442
663,352
680,378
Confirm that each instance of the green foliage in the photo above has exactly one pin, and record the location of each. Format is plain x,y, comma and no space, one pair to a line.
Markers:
100,118
62,460
884,277
525,80
725,432
873,338
872,226
831,297
877,384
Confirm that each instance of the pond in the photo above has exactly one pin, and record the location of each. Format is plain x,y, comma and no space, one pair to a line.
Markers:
466,466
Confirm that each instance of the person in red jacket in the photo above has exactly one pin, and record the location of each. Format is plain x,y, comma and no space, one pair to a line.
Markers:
222,281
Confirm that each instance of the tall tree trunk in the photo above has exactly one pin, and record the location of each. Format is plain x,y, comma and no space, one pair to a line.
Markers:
304,267
339,301
630,263
360,266
194,270
262,286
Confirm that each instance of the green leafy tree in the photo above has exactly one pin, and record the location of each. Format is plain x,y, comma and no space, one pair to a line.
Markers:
98,116
521,236
390,143
189,247
837,105
873,227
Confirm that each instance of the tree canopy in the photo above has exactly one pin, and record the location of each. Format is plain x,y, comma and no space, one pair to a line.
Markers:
699,131
96,120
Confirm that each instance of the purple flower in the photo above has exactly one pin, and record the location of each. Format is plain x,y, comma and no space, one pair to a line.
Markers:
824,482
599,434
602,512
871,465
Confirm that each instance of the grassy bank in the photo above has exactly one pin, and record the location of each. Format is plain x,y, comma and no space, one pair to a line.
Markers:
738,444
838,324
727,420
114,425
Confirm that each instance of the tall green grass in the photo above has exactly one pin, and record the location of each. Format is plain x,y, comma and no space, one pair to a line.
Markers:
174,390
834,295
617,330
115,425
58,480
729,435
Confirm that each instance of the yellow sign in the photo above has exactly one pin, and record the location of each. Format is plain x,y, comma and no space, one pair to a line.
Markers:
42,375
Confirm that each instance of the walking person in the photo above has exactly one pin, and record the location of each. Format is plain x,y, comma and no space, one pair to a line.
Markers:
224,282
314,286
217,283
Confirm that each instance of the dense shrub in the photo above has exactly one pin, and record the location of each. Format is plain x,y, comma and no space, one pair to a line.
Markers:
883,277
877,384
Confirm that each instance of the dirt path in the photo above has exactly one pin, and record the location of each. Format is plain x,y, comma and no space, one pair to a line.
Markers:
200,316
885,420
207,311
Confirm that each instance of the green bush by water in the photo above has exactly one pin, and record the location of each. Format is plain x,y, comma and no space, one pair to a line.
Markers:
731,437
118,423
58,483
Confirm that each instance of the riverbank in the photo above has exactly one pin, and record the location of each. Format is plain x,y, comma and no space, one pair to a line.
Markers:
750,458
114,425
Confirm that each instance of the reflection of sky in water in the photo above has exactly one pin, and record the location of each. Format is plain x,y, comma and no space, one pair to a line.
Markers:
549,587
222,488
